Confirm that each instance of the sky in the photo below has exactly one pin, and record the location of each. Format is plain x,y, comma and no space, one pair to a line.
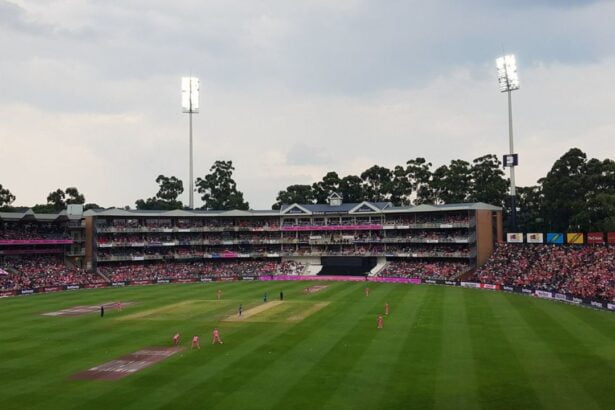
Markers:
90,90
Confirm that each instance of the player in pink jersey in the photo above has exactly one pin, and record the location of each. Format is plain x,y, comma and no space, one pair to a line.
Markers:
380,322
216,337
176,339
386,309
195,343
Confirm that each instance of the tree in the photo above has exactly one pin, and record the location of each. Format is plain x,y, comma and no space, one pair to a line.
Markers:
6,197
453,183
400,187
74,196
530,204
299,194
564,189
330,183
219,190
377,183
166,198
89,206
351,189
55,200
419,174
488,182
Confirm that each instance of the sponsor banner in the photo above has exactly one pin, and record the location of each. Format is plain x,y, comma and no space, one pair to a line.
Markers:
138,258
610,306
52,289
555,238
508,288
30,251
560,296
118,283
446,225
248,278
595,238
543,294
36,242
6,293
534,238
184,280
577,301
26,291
597,304
431,281
610,237
527,291
514,237
96,285
72,287
575,238
451,282
163,281
470,285
332,228
141,282
228,278
206,280
489,286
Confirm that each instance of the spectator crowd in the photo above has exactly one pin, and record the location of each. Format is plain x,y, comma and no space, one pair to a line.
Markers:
582,271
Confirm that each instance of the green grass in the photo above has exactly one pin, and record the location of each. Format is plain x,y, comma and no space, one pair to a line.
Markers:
440,348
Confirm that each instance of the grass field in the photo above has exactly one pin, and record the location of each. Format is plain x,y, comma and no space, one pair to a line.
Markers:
441,347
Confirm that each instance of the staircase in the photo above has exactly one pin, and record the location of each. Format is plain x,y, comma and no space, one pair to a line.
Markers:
380,265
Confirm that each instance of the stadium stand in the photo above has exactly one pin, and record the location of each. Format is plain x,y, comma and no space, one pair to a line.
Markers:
581,271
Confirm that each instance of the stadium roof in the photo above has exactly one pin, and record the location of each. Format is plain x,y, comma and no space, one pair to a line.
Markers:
29,215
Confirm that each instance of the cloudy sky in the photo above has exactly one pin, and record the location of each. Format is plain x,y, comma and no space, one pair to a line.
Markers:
90,90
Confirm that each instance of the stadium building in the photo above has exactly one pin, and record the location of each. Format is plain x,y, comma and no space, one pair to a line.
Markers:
334,238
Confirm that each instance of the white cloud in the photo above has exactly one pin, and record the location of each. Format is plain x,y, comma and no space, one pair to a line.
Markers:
90,92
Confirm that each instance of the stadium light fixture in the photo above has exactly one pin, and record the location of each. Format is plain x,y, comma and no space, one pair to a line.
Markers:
508,79
190,105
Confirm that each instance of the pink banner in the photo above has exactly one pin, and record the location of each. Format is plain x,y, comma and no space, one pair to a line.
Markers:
332,228
36,242
326,277
414,281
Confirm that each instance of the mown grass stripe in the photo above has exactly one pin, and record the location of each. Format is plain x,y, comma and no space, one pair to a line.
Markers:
555,387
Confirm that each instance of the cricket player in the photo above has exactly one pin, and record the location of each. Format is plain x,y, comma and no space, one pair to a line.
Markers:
386,309
366,291
102,311
240,310
195,343
380,322
219,293
118,306
265,297
216,338
176,339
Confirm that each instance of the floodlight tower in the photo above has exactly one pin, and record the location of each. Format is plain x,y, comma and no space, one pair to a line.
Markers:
190,105
509,81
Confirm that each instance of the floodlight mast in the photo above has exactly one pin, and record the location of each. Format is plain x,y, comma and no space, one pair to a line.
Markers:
509,81
190,105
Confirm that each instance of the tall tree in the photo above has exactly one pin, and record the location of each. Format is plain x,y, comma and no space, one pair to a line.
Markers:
299,194
351,189
400,187
6,197
488,182
74,197
219,190
166,199
452,183
55,200
330,183
377,183
564,189
420,175
530,205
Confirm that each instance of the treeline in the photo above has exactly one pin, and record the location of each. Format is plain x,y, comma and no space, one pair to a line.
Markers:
577,194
